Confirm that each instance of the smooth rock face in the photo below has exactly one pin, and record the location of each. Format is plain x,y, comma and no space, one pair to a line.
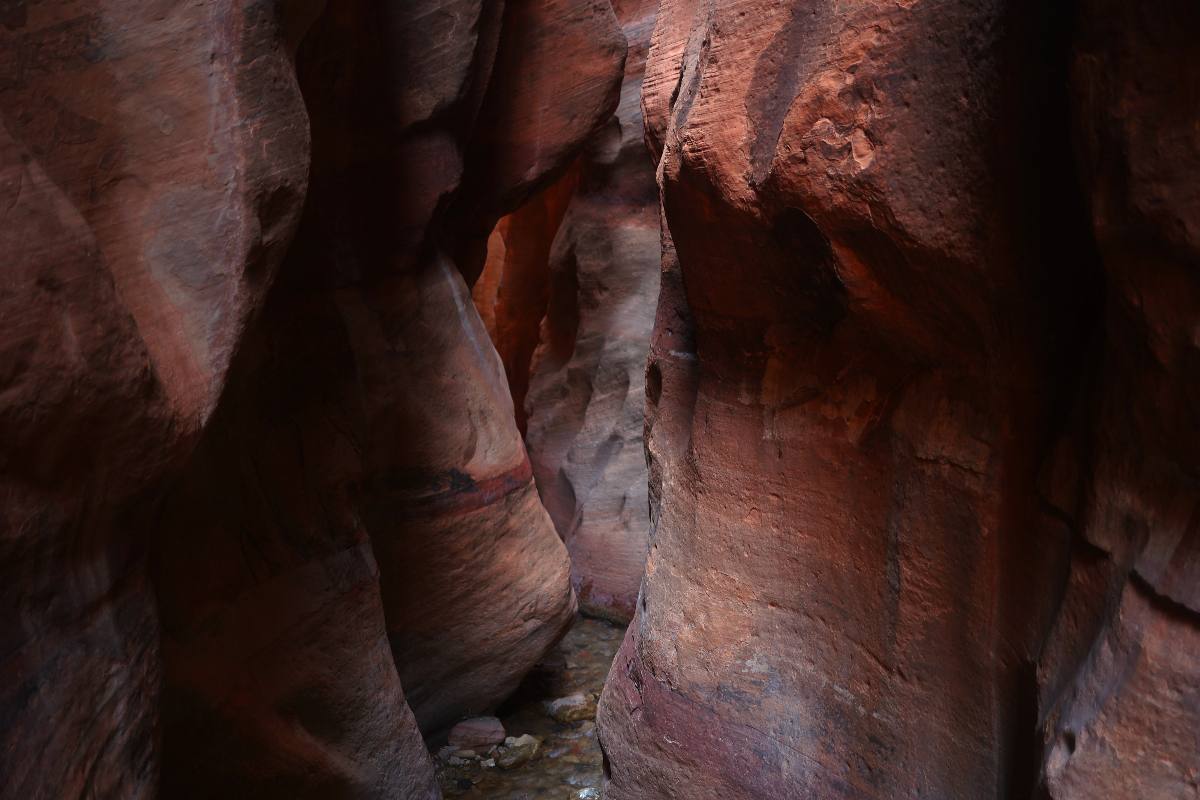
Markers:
153,160
553,84
279,678
368,478
478,733
590,278
513,291
883,414
321,468
586,403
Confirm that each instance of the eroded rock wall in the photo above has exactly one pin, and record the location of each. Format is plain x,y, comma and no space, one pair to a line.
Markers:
1120,676
586,400
574,273
154,160
383,477
896,507
318,470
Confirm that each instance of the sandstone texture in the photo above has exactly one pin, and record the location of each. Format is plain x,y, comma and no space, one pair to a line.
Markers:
513,291
388,502
333,384
154,163
920,407
575,273
248,498
1120,678
478,733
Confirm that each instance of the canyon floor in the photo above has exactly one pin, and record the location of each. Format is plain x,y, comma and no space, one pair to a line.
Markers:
568,761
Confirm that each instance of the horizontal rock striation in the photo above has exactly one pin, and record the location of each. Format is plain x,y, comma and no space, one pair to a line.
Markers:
388,500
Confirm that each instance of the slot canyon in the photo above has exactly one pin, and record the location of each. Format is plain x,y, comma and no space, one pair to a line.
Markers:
580,399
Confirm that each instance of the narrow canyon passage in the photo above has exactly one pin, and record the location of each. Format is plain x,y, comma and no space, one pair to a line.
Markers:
580,399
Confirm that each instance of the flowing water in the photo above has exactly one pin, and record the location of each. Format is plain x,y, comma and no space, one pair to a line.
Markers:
568,761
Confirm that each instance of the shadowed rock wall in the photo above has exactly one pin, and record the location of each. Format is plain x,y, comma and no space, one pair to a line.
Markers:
1120,676
586,402
154,164
319,470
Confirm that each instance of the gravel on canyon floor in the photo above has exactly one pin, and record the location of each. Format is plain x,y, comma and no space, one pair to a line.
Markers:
550,750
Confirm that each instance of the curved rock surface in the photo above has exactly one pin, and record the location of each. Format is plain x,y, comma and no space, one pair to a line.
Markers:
323,470
371,439
513,291
154,165
922,397
586,399
574,273
1121,673
875,444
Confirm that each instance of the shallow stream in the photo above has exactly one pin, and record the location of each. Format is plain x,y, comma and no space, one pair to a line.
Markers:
568,759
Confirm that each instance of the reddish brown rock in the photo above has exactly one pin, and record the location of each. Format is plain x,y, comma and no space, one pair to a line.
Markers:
279,678
356,435
858,364
154,161
1121,673
555,81
513,290
587,392
368,467
475,581
478,733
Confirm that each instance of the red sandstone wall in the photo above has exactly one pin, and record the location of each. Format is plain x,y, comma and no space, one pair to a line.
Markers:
574,273
909,541
315,463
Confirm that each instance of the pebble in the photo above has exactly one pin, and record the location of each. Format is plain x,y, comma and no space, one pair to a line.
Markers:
573,708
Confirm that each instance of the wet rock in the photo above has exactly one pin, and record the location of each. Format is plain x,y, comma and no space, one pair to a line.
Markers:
574,708
517,751
569,756
589,793
477,733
